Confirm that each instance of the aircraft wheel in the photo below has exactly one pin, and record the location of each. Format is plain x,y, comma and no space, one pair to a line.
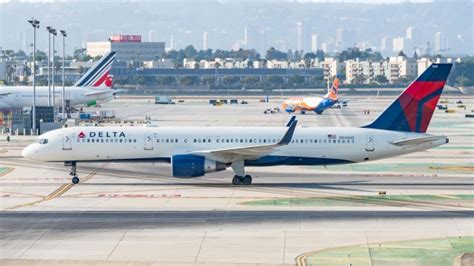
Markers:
247,180
236,180
75,179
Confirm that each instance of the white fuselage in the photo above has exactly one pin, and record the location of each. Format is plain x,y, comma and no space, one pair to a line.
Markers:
308,146
20,96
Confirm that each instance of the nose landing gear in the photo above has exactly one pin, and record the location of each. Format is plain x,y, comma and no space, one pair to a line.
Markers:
73,172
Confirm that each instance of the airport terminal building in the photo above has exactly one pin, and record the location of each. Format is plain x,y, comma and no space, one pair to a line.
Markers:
128,48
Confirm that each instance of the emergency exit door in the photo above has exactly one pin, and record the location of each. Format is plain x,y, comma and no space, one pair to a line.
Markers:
148,142
370,142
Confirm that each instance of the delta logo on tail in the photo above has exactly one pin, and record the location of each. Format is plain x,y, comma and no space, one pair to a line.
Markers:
413,109
316,104
98,76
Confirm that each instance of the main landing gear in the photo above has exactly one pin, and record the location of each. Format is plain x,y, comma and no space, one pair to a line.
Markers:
73,172
242,180
240,177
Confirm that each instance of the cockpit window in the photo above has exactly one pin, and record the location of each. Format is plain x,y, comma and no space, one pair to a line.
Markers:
42,141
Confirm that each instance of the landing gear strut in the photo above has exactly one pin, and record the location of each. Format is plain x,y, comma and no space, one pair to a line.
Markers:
73,172
240,178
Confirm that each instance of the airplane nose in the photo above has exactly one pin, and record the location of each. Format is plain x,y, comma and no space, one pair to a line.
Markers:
27,152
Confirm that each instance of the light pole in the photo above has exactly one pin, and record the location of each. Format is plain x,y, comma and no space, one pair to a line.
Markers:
49,28
63,32
35,23
53,32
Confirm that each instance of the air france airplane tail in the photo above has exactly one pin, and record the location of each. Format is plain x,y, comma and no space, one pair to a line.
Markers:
98,76
413,109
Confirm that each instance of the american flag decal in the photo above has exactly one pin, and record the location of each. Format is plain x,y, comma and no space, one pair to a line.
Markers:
331,136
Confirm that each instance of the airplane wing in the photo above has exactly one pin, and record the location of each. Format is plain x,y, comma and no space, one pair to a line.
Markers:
5,94
416,141
247,152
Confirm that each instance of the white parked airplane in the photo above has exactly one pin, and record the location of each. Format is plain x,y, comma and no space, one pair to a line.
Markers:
193,152
95,85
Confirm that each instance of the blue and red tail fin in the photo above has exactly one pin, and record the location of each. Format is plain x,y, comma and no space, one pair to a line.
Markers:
413,109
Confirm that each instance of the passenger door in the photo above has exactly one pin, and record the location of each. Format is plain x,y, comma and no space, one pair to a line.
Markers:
370,142
67,142
148,141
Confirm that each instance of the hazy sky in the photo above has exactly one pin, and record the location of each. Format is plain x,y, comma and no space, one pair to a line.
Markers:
267,23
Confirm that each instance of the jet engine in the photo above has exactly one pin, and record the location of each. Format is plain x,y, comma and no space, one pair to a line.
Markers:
187,165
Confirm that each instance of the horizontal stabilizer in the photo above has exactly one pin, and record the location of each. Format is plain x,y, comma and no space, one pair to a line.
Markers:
417,141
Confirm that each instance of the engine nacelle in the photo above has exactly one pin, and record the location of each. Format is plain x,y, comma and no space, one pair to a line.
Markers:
186,165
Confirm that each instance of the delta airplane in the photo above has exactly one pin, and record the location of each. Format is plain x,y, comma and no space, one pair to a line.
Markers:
316,104
195,151
95,85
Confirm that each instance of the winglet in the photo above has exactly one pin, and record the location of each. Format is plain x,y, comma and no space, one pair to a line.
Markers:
288,135
292,118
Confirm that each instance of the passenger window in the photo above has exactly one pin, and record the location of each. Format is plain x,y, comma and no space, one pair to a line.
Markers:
176,140
92,140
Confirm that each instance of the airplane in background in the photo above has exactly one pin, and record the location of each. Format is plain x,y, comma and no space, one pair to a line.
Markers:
195,151
94,86
316,104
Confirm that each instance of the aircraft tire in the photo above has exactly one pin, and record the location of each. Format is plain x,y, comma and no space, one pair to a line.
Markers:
75,180
247,180
237,180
